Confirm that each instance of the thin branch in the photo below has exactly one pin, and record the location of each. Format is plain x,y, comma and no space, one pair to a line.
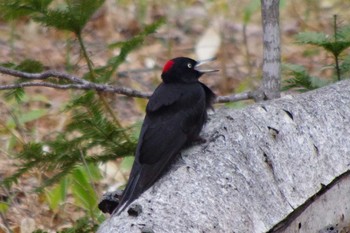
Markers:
78,83
235,97
41,76
89,86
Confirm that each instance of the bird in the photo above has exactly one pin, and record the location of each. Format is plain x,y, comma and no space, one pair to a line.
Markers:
175,115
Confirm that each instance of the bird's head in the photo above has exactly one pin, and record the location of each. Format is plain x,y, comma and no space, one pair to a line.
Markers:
183,69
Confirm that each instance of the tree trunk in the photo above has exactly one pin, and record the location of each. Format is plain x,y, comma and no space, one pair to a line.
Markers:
271,69
258,171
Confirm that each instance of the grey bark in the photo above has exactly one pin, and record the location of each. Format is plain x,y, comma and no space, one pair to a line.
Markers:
271,69
328,212
259,166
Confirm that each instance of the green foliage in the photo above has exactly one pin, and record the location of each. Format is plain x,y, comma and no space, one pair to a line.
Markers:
253,6
336,44
126,47
17,94
30,66
127,163
301,80
345,66
15,125
57,194
27,65
98,139
83,225
3,207
28,117
82,189
15,9
72,17
68,159
80,183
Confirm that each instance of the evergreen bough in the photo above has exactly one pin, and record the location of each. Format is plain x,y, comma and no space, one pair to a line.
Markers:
335,44
94,134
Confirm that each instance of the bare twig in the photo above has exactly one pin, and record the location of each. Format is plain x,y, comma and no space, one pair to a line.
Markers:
235,97
78,83
41,76
87,86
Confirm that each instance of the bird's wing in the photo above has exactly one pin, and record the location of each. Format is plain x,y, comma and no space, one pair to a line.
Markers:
170,125
156,148
161,136
163,97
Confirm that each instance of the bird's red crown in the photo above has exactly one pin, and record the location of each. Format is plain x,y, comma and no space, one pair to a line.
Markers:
168,65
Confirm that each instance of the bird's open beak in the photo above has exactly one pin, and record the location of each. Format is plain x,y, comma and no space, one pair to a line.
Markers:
199,63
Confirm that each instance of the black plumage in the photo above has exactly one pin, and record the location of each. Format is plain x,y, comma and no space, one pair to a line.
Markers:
175,115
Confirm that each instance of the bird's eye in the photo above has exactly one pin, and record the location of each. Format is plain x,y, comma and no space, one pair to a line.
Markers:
189,65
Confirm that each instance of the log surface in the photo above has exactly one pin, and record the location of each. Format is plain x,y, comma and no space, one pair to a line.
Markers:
259,164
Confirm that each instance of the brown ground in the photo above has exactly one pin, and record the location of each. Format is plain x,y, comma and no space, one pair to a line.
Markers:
239,61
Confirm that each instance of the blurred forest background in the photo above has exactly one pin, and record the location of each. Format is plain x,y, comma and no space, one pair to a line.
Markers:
60,150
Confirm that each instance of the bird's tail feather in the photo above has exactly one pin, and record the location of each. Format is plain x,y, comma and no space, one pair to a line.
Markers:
129,194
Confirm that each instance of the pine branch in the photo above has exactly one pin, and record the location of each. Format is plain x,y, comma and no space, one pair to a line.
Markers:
78,83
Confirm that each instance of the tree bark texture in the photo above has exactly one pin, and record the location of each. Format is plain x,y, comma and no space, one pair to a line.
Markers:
271,69
259,165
